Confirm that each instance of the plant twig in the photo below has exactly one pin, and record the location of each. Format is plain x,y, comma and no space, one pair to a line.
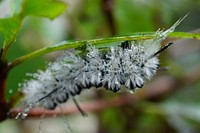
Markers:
3,76
4,107
88,107
99,105
160,87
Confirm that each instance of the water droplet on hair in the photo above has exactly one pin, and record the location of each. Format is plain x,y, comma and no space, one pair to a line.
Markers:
131,91
18,115
24,113
38,103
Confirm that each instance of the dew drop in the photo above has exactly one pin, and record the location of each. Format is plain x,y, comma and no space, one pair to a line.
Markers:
23,115
10,91
18,115
20,84
38,103
131,91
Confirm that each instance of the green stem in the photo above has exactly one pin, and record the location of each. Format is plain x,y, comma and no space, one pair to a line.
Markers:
5,50
185,35
75,44
96,42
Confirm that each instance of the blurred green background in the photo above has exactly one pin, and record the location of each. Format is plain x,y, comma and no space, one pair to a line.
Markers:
168,103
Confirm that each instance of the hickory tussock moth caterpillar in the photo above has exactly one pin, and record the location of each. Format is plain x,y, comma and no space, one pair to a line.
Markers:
126,65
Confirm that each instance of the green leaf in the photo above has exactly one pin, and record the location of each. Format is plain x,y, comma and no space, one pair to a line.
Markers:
44,8
9,28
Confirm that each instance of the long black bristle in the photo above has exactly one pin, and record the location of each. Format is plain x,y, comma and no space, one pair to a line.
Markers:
161,49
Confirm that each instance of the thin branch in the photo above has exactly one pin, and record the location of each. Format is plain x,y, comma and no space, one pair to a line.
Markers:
2,89
124,99
88,107
3,104
3,77
160,87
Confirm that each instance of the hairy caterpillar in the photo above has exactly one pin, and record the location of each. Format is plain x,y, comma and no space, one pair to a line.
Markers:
126,65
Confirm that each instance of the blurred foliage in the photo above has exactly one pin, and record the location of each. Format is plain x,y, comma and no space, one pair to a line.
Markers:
10,26
177,112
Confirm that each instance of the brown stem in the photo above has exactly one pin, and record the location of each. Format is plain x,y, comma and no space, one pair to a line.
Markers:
2,87
89,106
99,105
4,108
108,7
3,76
158,89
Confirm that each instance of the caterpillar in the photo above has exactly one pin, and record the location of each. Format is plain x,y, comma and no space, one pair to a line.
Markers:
126,65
